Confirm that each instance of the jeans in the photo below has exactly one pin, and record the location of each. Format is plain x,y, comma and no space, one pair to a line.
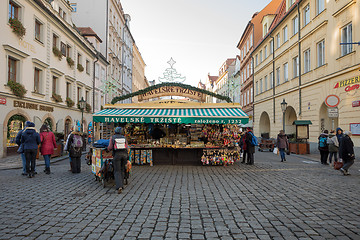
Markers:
282,153
119,161
30,155
244,155
76,164
324,156
23,158
347,164
331,154
250,158
47,160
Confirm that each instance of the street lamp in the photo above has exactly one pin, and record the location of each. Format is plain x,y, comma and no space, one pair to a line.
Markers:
82,106
283,109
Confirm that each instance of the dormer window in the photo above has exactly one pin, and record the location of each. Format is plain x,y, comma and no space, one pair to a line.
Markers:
265,29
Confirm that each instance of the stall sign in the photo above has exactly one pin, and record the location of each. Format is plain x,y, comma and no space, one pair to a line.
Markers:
333,112
172,91
348,82
32,106
3,101
356,103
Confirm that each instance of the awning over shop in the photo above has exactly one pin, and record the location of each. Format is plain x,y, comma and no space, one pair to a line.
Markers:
196,115
302,122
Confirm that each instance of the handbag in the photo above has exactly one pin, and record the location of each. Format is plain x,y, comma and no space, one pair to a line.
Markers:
21,149
338,165
276,151
287,151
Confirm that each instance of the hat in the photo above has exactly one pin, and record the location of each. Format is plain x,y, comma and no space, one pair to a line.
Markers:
326,131
118,130
27,123
347,133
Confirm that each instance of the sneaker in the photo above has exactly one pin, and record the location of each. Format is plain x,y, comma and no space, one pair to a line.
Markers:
24,174
343,171
119,190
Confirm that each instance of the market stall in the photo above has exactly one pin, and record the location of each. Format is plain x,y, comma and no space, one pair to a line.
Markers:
175,131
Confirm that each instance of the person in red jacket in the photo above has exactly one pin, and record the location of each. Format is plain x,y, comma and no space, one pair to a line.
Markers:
48,144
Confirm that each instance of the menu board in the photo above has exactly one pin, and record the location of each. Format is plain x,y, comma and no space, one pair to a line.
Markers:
355,128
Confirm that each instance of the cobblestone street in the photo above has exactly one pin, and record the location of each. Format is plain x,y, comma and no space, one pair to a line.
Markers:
298,199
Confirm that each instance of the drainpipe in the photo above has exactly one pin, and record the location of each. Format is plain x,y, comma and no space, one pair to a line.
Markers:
253,73
298,8
93,96
106,33
273,80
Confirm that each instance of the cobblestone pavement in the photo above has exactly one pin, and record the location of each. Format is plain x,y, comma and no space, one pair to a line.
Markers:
298,199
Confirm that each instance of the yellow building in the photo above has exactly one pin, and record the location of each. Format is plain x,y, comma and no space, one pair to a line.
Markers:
139,80
300,60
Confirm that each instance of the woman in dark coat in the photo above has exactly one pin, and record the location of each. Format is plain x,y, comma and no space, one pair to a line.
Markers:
282,143
250,148
30,140
346,152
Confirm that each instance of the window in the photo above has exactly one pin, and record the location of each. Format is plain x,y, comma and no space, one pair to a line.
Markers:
261,54
54,84
306,15
64,15
256,60
271,79
63,48
97,70
38,30
278,76
13,10
321,53
68,90
286,72
37,75
248,97
285,34
87,66
68,50
271,46
265,52
257,88
79,60
251,67
251,94
277,40
296,66
307,61
320,6
265,29
86,96
55,41
346,37
251,40
295,25
265,83
78,94
12,69
261,85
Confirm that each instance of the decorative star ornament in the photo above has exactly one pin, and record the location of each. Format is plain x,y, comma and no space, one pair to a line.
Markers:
170,74
171,62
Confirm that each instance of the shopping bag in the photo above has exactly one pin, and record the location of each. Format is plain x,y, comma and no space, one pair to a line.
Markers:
338,165
276,151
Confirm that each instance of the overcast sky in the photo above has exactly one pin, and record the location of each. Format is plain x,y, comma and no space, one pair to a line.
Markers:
198,34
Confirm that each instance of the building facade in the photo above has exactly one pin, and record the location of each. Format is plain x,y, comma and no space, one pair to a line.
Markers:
222,83
310,69
51,61
209,85
139,80
112,25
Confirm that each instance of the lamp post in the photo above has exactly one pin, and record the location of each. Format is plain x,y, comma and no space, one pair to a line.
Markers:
283,109
82,106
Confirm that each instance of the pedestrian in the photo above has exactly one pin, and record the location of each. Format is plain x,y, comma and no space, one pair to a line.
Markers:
282,144
67,139
243,146
30,140
18,142
250,146
74,145
346,152
119,146
323,147
333,146
339,135
48,144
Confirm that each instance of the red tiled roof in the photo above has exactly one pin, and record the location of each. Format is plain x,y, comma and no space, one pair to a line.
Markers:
88,31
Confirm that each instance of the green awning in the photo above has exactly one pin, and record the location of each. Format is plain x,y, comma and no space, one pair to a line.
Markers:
176,115
302,122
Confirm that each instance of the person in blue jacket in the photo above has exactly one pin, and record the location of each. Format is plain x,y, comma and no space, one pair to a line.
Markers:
30,140
18,142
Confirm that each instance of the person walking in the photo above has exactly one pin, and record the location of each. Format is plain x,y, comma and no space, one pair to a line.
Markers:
48,144
346,152
250,146
18,142
282,143
323,147
339,135
243,146
333,146
120,149
74,145
31,140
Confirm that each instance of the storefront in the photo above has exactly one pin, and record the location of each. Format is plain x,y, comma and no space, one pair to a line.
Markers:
175,131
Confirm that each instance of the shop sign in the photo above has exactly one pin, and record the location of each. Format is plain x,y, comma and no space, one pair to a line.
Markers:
3,101
348,82
333,112
350,88
356,103
172,91
332,101
32,106
171,120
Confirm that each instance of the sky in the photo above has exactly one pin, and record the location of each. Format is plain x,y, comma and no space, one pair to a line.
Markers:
198,34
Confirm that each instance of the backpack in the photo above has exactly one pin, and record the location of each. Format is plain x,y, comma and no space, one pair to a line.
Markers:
322,142
254,141
77,141
330,141
119,144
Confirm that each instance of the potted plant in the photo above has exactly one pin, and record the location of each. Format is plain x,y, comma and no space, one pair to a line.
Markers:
69,102
17,89
57,53
80,67
17,27
70,61
57,97
88,107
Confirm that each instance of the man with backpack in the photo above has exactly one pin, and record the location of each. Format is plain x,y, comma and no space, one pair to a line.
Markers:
323,147
74,145
251,142
119,146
